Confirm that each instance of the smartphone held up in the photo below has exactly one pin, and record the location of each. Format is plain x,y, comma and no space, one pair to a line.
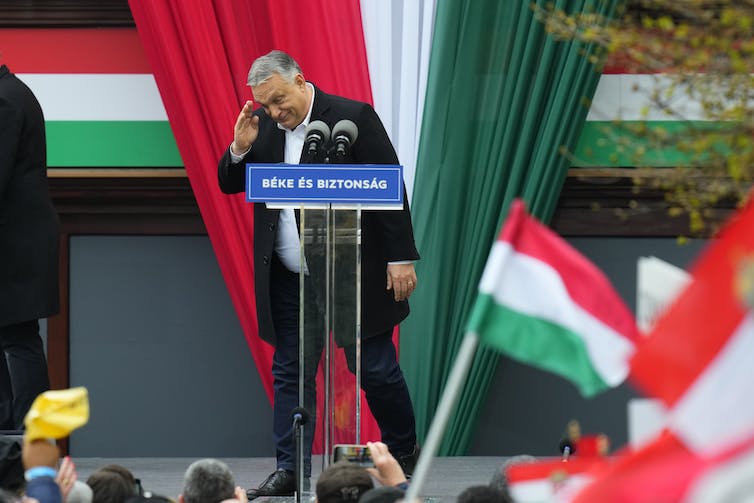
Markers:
353,453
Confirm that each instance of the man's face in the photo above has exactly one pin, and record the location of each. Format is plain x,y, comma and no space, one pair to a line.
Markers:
287,103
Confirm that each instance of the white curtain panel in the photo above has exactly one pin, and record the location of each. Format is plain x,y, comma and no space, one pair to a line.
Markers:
398,37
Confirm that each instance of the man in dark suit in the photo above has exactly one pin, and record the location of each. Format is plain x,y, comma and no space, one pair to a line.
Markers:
276,133
28,250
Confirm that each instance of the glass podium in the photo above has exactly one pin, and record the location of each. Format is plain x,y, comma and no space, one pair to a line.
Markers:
329,200
329,324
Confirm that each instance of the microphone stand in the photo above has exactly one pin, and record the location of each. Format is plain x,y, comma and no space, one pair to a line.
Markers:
300,417
298,425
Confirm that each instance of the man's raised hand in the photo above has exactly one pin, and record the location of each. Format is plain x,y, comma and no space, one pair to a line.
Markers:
246,129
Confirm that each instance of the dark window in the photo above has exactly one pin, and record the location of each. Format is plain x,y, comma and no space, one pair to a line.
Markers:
64,13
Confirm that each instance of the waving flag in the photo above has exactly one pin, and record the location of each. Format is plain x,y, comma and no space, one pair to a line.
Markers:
697,360
550,479
543,303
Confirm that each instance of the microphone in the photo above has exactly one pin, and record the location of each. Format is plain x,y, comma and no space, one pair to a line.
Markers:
300,414
317,134
344,135
567,448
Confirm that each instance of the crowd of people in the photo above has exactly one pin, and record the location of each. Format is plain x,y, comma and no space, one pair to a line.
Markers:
41,475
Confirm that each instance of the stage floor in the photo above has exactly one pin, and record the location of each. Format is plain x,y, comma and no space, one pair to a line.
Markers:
448,476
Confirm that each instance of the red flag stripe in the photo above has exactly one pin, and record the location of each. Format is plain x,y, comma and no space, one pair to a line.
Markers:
661,471
694,329
554,467
77,50
581,277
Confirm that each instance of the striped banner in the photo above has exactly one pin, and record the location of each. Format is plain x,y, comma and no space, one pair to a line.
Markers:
622,122
101,104
103,108
107,111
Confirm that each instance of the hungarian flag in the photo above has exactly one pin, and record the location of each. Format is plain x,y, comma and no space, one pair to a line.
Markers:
542,302
726,480
551,479
659,472
664,471
697,360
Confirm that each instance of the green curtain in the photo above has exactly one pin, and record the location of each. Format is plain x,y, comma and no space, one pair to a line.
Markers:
503,99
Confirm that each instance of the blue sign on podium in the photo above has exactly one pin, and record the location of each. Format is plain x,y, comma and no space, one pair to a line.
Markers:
357,184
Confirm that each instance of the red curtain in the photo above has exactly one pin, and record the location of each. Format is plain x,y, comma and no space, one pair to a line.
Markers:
200,52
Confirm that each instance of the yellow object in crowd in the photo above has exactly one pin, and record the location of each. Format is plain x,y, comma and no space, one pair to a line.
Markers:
56,413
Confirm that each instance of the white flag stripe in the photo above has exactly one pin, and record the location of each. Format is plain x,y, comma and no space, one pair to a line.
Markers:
97,97
715,414
398,67
532,491
728,481
548,490
624,97
546,297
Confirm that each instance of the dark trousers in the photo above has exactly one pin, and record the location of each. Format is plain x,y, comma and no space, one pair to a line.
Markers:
23,372
381,379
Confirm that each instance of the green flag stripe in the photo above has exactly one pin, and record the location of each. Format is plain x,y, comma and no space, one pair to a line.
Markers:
151,144
634,143
111,144
537,342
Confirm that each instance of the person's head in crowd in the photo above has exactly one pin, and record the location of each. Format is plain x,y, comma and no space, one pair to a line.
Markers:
123,472
112,484
483,494
148,497
207,481
8,497
343,482
80,493
385,494
500,478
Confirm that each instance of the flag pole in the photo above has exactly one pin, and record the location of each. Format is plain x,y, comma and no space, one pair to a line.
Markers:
447,402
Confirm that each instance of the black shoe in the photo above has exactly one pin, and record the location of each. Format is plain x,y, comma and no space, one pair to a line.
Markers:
279,483
408,461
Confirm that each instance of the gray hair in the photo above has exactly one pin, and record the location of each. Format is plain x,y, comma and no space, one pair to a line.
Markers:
273,62
500,478
80,493
208,481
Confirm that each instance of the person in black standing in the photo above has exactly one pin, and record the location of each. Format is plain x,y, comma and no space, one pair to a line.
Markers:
29,231
276,133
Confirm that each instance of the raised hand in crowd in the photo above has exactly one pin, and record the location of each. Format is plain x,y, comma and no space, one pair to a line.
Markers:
387,471
40,452
66,477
